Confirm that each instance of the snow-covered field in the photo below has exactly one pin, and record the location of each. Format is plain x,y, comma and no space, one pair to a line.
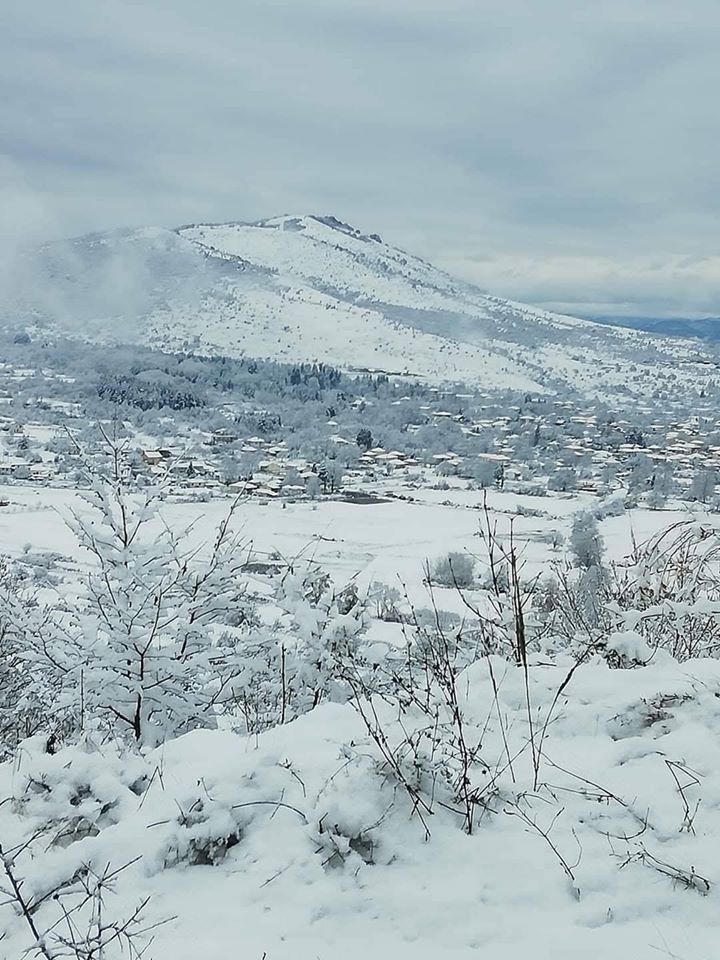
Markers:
386,541
604,842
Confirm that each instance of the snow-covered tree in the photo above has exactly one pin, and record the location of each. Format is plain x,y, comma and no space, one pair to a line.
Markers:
330,475
702,486
364,439
586,542
145,649
146,642
30,688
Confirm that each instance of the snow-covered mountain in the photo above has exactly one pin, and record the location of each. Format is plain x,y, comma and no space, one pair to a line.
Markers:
314,288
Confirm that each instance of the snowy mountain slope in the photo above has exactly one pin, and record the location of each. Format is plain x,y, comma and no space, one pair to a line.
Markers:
314,288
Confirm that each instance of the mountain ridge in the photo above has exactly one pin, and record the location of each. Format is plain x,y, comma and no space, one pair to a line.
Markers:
313,287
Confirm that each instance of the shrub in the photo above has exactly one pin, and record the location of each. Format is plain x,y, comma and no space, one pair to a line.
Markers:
453,570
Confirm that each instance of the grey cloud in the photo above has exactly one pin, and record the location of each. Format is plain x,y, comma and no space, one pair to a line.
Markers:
659,286
461,129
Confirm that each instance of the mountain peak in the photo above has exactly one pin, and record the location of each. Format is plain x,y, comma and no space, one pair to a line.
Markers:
310,221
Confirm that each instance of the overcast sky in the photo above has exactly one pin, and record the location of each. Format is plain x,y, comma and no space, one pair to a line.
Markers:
556,151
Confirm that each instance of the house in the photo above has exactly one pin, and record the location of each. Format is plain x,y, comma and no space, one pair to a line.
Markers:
223,435
40,474
242,486
10,468
272,466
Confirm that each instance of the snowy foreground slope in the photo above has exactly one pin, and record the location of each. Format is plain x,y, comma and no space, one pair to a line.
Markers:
312,288
596,811
325,857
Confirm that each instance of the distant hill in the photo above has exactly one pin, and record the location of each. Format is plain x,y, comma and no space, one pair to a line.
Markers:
707,328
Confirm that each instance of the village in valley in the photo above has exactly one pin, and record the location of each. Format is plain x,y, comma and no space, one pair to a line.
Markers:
381,438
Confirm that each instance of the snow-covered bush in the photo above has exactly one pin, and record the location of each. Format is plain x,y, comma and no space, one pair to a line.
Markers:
668,591
78,792
388,603
664,596
290,665
201,834
612,506
453,570
59,880
325,626
409,702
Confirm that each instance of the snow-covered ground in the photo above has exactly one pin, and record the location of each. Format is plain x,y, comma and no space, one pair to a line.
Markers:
607,845
293,889
389,542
